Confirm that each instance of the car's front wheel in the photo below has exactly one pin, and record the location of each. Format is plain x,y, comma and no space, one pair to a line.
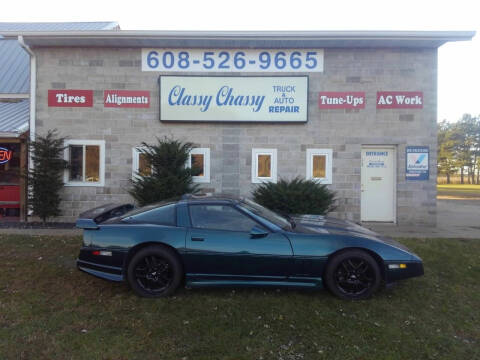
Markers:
154,271
353,274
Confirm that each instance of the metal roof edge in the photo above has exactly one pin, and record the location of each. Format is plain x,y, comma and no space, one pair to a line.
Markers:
311,35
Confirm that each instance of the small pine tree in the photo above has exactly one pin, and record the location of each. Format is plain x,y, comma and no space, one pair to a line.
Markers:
298,196
46,178
170,177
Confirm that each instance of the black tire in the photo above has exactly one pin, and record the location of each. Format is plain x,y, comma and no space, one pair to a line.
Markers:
353,275
154,271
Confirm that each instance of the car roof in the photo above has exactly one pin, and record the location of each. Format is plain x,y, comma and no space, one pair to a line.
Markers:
202,198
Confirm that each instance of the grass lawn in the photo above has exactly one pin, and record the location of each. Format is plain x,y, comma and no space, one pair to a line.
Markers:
49,310
458,190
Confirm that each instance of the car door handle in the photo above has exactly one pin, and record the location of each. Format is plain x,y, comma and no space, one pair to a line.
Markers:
197,239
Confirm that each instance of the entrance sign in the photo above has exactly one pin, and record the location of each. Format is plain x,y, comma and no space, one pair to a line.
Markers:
341,100
232,60
233,99
126,99
417,163
399,100
70,98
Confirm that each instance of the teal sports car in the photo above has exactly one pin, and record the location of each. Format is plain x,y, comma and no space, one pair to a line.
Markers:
226,241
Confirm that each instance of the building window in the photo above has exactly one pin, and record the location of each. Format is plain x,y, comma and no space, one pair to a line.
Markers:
140,164
86,160
200,159
264,165
319,165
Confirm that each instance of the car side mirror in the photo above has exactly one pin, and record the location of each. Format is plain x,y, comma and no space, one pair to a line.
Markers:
258,232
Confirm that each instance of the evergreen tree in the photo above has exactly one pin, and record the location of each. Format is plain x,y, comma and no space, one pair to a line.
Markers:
45,179
297,196
170,175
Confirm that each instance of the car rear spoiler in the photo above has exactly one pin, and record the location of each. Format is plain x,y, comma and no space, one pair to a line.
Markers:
91,218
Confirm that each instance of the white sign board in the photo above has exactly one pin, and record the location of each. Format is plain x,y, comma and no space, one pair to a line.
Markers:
230,99
232,60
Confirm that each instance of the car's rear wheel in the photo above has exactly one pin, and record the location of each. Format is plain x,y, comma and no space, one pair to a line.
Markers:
353,275
154,271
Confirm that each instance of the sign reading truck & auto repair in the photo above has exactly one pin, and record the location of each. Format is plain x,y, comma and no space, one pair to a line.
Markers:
70,98
126,99
231,99
341,100
417,163
399,100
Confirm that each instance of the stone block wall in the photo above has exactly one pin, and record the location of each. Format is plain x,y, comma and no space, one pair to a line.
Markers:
343,131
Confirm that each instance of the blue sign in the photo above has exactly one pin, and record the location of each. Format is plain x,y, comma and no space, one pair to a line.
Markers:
417,163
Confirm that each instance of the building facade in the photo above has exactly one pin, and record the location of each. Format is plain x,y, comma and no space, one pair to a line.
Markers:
355,111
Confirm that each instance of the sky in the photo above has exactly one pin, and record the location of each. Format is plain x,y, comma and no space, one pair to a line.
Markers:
458,63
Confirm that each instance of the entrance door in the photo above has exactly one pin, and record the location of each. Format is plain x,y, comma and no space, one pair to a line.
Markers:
378,184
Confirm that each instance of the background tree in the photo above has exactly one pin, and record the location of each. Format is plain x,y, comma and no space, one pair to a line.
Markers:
45,179
446,155
170,175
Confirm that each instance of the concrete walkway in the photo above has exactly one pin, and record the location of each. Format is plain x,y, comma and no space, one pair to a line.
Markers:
455,219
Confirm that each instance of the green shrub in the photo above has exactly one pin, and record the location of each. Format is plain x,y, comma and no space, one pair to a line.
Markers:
170,177
45,179
298,196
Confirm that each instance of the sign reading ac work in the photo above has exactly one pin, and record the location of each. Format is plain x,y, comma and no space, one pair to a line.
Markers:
417,163
230,99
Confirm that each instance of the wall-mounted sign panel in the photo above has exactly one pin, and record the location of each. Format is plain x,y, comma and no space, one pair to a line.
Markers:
126,99
399,100
417,163
341,100
232,60
70,98
230,99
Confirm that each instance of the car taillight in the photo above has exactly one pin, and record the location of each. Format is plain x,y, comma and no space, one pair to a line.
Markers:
101,253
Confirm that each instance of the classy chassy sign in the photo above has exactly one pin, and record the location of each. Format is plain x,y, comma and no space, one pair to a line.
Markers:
341,100
417,163
126,98
399,100
230,99
70,98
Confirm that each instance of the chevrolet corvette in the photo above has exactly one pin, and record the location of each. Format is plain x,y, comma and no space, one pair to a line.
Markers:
226,241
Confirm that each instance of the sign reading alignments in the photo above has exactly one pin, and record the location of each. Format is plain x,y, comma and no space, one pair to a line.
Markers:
126,98
233,98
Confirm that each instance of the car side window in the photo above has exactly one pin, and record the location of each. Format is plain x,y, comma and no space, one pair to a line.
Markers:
220,217
164,215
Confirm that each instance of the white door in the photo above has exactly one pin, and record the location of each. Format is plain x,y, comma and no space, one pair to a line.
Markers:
378,184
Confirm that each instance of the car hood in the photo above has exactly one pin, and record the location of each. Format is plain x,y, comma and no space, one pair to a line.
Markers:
318,224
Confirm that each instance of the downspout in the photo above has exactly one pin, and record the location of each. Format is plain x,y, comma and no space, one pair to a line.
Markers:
33,104
33,88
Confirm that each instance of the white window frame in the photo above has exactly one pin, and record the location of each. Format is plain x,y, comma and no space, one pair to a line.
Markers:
66,156
136,151
255,153
206,164
328,153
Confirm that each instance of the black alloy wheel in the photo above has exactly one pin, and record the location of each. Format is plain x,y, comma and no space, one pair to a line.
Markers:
154,271
353,274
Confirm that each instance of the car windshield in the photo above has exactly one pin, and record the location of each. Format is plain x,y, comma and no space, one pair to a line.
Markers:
267,214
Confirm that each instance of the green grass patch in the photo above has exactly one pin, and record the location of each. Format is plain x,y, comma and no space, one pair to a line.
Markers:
49,310
458,190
